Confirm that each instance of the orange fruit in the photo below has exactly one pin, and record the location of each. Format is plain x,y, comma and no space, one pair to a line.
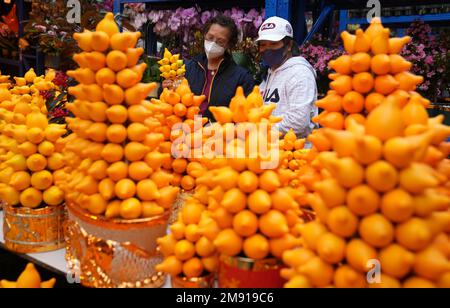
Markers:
184,250
204,247
170,265
269,181
168,195
376,230
180,110
331,248
311,232
413,234
248,182
319,273
41,180
397,206
188,183
118,171
342,85
334,120
282,200
358,253
31,198
331,192
112,153
347,277
363,200
331,103
273,224
193,268
361,62
363,83
167,244
234,201
245,223
228,242
368,149
341,65
20,180
125,189
179,165
98,170
342,222
139,171
256,247
382,176
106,189
259,202
36,162
396,261
147,190
222,217
151,209
386,84
373,100
135,151
191,213
387,282
381,64
137,132
279,245
418,283
431,264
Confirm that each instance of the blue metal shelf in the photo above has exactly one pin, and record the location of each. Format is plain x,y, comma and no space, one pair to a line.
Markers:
393,19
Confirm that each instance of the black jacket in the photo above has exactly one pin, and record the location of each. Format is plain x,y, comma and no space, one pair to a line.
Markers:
224,85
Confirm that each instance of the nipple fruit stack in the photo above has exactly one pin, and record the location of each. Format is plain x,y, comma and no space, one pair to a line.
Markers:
115,153
171,66
385,194
31,160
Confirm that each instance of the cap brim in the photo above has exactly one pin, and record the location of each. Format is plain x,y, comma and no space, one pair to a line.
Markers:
270,38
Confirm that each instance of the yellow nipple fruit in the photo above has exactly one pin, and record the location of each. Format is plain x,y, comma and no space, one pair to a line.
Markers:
234,200
53,196
331,248
342,222
131,209
319,272
245,223
385,122
84,40
256,247
363,200
358,253
414,234
397,206
260,202
193,268
347,277
273,224
184,250
42,180
382,176
29,278
20,180
123,41
349,41
100,41
228,242
376,230
108,25
31,198
170,265
396,261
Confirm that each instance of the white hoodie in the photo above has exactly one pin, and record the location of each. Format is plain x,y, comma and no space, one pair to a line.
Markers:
293,88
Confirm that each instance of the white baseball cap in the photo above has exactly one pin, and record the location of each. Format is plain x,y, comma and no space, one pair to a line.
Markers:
275,29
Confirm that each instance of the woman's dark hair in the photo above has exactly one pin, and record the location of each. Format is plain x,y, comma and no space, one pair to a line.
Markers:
295,50
225,22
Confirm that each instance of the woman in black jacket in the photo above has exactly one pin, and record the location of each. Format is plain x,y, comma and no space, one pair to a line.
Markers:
214,73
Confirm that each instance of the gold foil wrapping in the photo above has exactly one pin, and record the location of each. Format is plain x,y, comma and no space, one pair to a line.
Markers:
34,230
114,254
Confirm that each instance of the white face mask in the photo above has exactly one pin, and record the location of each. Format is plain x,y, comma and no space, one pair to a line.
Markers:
213,50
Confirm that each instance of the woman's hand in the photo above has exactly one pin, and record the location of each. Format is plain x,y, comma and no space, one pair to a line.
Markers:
167,84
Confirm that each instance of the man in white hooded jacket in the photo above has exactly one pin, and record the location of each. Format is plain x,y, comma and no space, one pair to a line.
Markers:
291,81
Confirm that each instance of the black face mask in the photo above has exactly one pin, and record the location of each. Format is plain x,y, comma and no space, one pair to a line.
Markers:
274,57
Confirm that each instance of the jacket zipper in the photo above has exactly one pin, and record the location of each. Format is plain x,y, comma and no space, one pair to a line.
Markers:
206,79
212,81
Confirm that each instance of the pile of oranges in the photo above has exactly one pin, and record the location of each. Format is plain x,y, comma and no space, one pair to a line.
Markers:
383,202
31,158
